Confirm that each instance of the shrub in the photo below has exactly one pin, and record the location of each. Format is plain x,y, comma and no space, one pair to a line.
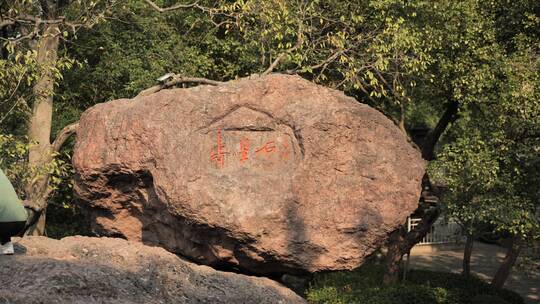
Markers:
488,299
364,286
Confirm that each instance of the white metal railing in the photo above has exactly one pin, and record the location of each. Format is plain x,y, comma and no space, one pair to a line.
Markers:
442,231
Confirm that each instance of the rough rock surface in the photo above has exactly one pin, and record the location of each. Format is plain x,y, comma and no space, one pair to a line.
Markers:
107,270
269,174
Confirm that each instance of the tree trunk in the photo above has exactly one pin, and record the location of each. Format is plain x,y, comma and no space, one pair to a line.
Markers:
509,260
39,129
401,242
467,255
408,240
393,257
430,142
407,266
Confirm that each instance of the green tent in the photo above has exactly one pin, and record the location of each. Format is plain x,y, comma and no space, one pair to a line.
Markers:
11,209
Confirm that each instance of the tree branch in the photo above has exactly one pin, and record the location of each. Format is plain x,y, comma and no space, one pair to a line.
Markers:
64,134
10,110
36,22
29,19
174,7
322,64
282,55
414,236
177,79
429,143
401,241
275,63
6,23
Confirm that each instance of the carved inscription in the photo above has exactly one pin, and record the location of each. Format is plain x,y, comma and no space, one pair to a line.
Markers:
266,149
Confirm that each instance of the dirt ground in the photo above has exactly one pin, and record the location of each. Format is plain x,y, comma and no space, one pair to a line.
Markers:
484,263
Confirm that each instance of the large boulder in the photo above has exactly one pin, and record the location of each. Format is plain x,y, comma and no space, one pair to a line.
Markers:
106,270
268,174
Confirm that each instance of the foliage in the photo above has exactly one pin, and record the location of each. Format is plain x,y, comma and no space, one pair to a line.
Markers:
19,66
125,55
469,169
406,59
378,51
14,163
13,159
18,72
64,215
491,164
372,50
529,261
364,286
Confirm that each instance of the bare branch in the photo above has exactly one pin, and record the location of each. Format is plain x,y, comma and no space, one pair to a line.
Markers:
281,56
26,19
64,134
276,62
323,64
175,7
401,124
16,87
177,79
328,60
30,35
364,90
9,111
6,23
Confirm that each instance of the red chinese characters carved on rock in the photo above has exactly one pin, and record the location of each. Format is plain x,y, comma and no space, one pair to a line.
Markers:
217,155
244,149
268,147
285,153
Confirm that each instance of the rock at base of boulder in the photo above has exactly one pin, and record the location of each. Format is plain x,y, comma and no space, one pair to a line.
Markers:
108,270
